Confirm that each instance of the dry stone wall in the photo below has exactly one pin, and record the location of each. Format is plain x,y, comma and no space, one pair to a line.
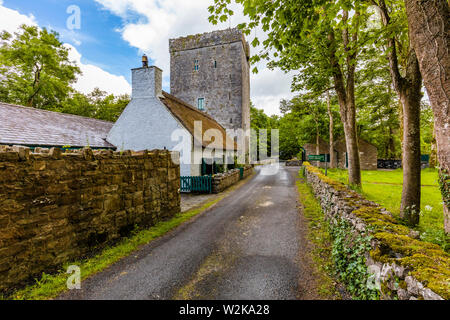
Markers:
406,268
293,163
56,207
221,181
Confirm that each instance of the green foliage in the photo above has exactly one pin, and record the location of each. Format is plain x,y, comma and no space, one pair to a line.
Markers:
349,249
34,68
426,128
319,236
259,122
35,71
98,104
377,105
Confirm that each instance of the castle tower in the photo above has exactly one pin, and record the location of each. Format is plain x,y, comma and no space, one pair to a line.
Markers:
211,71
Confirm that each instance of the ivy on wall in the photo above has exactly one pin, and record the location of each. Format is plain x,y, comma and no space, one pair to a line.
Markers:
348,253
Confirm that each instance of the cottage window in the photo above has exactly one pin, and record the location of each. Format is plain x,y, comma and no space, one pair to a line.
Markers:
201,103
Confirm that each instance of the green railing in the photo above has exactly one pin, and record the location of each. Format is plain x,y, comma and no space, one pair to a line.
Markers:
201,184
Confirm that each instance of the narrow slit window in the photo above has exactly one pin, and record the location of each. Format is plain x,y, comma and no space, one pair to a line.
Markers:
196,65
215,64
201,104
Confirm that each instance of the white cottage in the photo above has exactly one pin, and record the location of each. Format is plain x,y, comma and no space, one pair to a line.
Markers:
155,119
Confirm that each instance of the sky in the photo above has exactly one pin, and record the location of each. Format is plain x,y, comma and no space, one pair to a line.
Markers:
112,35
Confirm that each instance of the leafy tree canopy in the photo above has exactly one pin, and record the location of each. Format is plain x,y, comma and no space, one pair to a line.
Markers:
34,68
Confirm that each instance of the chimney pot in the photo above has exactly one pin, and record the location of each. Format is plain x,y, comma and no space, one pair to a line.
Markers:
144,61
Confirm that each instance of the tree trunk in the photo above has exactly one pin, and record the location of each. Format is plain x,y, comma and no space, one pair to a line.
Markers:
331,131
409,90
391,145
410,95
400,118
410,206
317,143
351,142
429,29
433,154
345,91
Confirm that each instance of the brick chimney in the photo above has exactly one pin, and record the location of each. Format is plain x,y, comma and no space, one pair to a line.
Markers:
146,81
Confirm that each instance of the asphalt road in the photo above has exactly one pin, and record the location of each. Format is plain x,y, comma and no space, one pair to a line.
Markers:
245,247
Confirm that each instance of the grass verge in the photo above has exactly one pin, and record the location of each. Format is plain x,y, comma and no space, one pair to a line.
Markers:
50,286
319,236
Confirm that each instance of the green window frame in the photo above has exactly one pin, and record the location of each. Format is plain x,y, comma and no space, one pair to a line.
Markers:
201,103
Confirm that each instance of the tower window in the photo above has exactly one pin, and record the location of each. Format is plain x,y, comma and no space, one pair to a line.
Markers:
201,104
215,64
196,65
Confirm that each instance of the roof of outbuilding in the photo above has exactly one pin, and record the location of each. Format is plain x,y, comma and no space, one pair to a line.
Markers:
187,115
21,125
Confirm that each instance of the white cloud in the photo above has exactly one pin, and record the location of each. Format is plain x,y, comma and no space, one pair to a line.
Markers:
12,19
161,20
92,77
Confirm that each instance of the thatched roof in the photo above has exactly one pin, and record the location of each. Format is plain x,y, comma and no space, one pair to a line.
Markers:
187,115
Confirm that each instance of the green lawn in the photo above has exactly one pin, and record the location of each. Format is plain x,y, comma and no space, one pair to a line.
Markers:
385,188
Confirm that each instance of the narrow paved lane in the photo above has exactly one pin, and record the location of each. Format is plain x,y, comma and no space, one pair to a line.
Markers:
245,247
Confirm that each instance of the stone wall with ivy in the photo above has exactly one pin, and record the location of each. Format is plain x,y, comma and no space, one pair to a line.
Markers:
375,255
56,207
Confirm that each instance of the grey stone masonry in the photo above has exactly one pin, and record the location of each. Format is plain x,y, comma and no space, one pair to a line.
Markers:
213,66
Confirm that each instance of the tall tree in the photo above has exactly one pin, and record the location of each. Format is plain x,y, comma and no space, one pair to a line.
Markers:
408,87
314,36
97,104
333,163
260,121
34,68
429,28
311,109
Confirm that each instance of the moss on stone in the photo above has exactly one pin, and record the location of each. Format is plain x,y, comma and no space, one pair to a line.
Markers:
380,222
335,184
402,284
427,262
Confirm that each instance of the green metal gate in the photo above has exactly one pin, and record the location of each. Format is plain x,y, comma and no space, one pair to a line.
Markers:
202,184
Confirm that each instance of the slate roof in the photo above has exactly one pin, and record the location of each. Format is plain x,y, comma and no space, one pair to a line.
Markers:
21,125
187,115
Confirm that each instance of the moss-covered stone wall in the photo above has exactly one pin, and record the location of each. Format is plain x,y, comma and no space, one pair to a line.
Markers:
56,207
406,267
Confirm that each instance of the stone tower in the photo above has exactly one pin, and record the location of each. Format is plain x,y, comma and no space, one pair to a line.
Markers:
211,72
